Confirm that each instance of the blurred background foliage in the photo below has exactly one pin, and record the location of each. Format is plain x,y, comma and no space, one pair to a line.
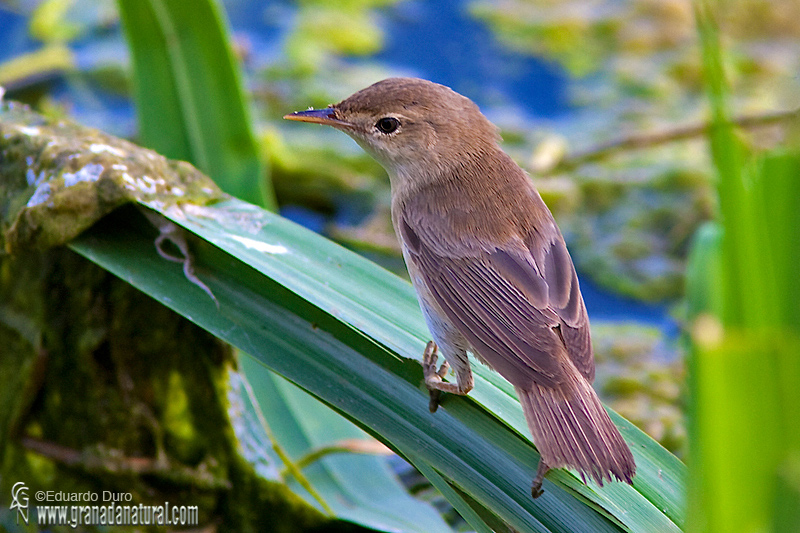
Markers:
601,101
742,290
621,70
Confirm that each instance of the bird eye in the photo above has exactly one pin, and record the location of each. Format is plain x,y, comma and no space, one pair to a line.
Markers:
387,124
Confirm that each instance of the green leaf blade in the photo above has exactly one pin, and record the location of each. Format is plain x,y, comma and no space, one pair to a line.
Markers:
385,308
369,382
188,93
358,487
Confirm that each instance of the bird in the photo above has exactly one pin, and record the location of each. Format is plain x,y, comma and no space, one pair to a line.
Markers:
490,267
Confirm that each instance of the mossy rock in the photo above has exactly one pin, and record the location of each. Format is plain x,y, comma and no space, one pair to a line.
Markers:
105,389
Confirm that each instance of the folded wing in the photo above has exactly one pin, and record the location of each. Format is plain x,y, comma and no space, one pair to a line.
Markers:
519,305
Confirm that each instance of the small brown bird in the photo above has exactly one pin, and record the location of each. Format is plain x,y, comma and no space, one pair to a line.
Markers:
489,265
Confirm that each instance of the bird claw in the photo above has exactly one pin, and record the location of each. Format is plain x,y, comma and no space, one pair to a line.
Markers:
435,400
536,486
432,375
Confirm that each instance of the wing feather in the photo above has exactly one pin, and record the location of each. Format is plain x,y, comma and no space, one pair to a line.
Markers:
517,346
517,313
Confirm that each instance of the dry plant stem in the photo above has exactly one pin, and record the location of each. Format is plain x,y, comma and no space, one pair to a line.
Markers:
346,446
290,467
111,462
646,140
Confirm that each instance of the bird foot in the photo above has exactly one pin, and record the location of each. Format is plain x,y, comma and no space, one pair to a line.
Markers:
536,486
433,377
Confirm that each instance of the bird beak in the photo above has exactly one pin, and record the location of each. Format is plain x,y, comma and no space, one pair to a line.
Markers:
319,116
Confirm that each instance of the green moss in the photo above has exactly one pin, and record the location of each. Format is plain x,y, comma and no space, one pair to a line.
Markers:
104,388
59,178
119,393
178,427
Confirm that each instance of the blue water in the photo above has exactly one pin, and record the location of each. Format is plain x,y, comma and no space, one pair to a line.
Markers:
437,40
14,38
603,305
441,42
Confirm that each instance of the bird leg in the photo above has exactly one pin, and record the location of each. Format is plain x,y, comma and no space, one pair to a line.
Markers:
433,377
536,486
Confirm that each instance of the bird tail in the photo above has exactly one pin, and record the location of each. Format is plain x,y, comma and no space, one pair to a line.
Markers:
570,428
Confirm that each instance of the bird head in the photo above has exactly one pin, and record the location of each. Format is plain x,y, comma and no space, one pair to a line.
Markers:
412,127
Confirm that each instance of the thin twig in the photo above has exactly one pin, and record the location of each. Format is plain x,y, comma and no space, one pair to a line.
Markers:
112,461
645,140
290,466
347,446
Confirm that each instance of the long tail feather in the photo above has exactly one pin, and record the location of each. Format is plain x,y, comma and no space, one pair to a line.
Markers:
570,428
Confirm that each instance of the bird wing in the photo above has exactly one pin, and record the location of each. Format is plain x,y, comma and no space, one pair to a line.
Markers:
517,304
